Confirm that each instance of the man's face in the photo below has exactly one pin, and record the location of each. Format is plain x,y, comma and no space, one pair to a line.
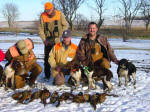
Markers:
49,11
92,29
67,40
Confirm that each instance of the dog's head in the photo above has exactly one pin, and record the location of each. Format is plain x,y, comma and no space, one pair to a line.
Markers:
123,63
76,72
17,65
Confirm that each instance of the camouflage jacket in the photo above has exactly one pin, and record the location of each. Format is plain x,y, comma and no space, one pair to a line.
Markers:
84,49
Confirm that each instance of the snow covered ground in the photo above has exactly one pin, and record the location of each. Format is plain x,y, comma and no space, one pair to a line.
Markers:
130,99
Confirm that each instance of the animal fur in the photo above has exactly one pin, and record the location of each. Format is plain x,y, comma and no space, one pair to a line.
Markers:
76,75
36,95
19,67
65,96
101,73
79,98
91,81
2,78
94,100
126,69
22,97
54,97
9,72
44,96
15,68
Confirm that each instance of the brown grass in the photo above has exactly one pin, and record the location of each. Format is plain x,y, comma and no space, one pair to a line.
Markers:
111,32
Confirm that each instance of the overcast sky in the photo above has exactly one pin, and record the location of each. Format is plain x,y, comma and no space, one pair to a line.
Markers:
30,9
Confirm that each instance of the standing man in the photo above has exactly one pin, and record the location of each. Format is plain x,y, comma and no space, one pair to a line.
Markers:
94,47
52,24
60,55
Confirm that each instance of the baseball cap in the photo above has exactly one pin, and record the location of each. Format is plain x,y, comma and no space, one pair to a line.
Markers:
66,33
21,45
48,6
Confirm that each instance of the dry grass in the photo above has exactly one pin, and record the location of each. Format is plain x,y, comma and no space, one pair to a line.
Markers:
111,32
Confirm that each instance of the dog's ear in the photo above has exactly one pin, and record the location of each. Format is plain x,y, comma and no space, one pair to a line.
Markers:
16,64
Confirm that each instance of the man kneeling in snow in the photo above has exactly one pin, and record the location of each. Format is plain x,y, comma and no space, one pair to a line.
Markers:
22,52
60,55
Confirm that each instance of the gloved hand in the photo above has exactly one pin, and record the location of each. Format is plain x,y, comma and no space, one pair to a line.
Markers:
116,62
59,79
58,68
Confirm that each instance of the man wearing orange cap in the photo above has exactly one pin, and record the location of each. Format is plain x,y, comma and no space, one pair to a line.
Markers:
52,24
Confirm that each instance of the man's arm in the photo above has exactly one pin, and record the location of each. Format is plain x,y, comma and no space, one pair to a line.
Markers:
51,59
81,53
64,22
41,29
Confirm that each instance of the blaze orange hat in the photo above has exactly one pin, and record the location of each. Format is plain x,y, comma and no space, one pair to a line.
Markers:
48,6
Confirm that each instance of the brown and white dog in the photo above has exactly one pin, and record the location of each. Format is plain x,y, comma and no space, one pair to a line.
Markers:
91,81
101,73
9,72
126,69
14,68
75,73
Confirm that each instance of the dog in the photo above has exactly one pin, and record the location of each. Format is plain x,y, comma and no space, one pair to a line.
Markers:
2,78
91,81
9,72
101,73
75,73
126,69
12,69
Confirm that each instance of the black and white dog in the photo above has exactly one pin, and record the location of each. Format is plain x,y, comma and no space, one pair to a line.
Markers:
126,69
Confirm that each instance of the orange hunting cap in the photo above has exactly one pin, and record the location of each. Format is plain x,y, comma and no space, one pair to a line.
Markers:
48,6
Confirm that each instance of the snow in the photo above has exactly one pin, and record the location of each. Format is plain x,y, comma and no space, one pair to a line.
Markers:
130,98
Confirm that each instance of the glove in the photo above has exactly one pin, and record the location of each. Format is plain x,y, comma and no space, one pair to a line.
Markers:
59,79
48,42
58,69
116,62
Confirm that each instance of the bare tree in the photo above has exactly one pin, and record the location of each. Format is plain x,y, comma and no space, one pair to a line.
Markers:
81,22
69,8
145,10
100,10
129,10
10,13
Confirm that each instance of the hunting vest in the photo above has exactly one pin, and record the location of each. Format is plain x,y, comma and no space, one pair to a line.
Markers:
52,25
13,51
97,50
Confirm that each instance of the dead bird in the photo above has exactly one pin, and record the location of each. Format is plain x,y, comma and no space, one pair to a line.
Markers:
44,96
17,96
26,95
102,97
79,98
86,97
36,95
54,97
94,100
65,96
